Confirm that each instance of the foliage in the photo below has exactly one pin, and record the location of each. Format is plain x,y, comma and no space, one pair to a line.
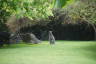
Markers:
61,3
3,15
79,11
76,10
32,9
60,13
86,10
27,8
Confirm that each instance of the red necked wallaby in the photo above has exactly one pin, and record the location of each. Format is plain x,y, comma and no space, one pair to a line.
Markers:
51,38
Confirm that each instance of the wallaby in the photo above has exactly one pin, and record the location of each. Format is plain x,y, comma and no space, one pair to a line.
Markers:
51,38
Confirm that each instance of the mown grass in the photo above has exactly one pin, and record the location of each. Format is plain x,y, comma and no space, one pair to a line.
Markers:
63,52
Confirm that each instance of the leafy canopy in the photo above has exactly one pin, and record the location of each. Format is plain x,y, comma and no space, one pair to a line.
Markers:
27,8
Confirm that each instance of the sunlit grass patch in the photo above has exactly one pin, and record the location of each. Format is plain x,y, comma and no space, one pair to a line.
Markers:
63,52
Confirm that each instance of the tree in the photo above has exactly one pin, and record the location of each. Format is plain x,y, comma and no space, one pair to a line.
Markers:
85,11
77,10
33,9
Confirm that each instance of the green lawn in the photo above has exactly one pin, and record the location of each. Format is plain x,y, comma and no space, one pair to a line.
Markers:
63,52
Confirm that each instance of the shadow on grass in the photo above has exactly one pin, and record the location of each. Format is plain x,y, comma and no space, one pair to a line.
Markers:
90,51
12,46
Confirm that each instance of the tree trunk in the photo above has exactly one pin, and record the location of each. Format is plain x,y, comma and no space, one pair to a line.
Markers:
93,25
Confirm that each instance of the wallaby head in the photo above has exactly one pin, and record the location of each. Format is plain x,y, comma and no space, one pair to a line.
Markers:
50,31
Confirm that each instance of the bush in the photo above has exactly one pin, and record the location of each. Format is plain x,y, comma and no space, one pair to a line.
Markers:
83,10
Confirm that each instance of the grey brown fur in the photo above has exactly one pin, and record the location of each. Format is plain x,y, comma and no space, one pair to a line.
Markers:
51,38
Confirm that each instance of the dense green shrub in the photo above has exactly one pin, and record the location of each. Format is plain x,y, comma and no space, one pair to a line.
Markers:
83,10
79,11
32,9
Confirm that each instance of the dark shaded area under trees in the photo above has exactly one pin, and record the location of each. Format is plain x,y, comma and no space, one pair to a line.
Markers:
62,26
78,31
